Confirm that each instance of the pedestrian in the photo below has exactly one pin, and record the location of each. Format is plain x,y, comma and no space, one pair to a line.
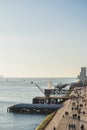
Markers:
82,127
69,126
54,128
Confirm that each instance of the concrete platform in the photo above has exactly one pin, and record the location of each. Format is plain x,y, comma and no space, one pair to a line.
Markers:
34,108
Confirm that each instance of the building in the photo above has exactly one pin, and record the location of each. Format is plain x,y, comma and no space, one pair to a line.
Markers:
82,76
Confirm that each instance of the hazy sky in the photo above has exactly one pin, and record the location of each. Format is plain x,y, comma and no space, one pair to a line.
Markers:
41,38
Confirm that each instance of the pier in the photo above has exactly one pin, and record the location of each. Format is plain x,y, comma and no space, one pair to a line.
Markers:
73,115
34,108
42,105
50,100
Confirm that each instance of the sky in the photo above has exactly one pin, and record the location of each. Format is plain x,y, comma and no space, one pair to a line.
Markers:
43,38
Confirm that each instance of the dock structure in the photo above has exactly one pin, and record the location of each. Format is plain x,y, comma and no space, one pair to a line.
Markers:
34,108
50,100
43,105
73,116
56,90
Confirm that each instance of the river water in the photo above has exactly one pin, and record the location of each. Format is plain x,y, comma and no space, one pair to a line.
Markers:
20,90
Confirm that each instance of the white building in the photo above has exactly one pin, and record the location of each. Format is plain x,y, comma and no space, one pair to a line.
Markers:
82,76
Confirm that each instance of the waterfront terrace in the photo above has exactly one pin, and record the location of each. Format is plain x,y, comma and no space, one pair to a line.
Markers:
73,116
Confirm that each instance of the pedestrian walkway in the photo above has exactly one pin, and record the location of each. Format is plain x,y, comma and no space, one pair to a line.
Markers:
73,116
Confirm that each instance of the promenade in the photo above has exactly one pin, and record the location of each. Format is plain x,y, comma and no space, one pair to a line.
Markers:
73,116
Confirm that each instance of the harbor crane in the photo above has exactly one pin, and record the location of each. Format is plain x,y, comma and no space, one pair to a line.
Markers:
51,91
46,92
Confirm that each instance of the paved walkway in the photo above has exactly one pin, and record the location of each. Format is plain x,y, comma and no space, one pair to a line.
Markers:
73,116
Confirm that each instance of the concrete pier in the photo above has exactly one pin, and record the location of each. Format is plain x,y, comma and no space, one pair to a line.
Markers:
34,108
73,116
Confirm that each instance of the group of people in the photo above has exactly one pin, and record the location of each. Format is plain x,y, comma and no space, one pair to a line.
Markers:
76,108
72,126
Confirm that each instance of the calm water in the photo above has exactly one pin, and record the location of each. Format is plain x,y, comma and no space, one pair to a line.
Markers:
20,90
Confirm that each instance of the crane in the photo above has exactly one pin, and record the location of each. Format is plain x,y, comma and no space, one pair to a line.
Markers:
46,94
